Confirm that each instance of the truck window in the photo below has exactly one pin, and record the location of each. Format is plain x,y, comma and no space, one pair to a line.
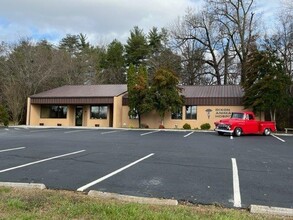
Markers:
237,115
250,117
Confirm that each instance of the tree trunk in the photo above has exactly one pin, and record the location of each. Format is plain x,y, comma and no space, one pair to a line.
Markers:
162,119
139,120
273,114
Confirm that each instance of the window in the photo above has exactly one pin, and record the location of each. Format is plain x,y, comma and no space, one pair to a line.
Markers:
237,115
99,112
177,114
191,112
53,111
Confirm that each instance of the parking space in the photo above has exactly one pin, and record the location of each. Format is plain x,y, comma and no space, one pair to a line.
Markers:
185,165
266,182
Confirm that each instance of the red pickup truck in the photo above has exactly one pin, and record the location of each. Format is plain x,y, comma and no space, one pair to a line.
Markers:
244,123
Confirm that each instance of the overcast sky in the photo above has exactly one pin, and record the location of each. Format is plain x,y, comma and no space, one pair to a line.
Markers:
101,20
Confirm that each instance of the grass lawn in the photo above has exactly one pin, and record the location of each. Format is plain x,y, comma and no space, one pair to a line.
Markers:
50,204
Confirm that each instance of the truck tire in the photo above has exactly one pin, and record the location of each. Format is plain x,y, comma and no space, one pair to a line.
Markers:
237,132
267,132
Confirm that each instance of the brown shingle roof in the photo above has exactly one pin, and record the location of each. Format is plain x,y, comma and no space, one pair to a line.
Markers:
83,91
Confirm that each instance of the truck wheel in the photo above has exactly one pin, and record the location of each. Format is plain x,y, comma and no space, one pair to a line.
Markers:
237,132
267,132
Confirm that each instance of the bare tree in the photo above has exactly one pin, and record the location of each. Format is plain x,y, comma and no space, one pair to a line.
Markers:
287,6
238,20
193,71
26,69
281,42
201,32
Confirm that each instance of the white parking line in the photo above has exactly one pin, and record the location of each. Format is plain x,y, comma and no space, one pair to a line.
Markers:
280,139
40,161
236,187
151,132
74,131
188,134
11,149
109,132
112,174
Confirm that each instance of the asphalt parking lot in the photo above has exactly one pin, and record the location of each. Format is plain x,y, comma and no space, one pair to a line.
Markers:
198,167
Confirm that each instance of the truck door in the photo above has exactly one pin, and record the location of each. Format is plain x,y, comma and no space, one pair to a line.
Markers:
251,125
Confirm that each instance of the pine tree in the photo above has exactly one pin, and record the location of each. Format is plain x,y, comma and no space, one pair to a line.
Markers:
113,64
136,48
267,85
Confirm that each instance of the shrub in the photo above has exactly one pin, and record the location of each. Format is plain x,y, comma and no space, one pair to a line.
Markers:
144,126
205,126
4,117
186,126
161,127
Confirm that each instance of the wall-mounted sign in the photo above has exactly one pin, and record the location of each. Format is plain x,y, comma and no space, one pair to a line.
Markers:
208,111
223,113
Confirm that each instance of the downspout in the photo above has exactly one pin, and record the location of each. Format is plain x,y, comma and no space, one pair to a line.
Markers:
28,111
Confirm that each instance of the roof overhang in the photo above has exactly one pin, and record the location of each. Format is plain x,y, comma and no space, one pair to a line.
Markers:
73,100
212,101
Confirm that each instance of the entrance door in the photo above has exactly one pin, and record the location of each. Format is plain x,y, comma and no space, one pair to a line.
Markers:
78,115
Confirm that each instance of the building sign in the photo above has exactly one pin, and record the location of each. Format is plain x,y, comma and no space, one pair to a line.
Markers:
208,111
223,113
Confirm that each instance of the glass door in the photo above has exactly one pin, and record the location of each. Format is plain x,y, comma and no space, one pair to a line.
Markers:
78,115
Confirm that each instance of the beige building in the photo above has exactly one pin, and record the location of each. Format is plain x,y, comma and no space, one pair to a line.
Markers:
106,106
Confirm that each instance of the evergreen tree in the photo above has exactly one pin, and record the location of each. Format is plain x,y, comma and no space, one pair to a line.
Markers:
113,64
136,48
155,40
267,85
160,55
71,44
82,59
4,117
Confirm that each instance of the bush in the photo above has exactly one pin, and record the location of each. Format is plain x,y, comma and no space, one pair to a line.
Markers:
144,126
205,126
161,127
4,117
186,126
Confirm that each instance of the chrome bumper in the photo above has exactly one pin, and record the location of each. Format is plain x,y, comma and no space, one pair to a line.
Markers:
224,131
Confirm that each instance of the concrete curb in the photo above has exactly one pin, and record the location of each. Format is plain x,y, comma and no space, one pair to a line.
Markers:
258,209
24,185
134,199
108,128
